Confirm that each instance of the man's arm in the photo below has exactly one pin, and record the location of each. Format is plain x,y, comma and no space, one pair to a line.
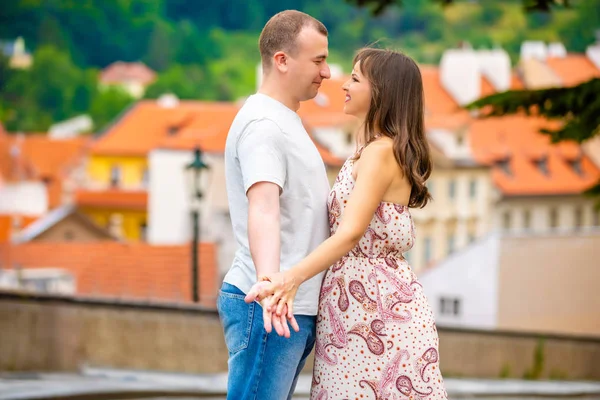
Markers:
261,154
265,244
264,227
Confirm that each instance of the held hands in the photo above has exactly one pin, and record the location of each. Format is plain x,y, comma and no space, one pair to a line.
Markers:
276,294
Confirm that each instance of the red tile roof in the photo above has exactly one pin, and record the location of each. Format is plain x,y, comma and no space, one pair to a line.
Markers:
486,87
51,159
112,199
128,270
573,69
191,123
37,157
13,165
437,99
518,138
6,225
148,125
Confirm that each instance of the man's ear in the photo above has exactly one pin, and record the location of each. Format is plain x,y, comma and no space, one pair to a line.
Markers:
280,60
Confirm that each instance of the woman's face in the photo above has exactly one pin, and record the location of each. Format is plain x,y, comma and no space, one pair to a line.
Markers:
358,94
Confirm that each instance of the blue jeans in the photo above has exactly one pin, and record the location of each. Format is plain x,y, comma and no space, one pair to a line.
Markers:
261,366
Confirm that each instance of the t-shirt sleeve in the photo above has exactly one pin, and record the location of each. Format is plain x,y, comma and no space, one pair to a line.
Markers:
260,153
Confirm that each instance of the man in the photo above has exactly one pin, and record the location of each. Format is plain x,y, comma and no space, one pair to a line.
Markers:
277,189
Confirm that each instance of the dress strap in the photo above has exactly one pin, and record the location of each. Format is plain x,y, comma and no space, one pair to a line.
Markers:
361,148
359,151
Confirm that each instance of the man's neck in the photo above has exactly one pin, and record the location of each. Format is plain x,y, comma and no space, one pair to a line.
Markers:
274,90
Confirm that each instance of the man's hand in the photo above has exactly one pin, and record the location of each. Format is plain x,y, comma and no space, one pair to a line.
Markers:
270,319
280,323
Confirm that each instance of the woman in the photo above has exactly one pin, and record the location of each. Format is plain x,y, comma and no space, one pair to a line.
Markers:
376,336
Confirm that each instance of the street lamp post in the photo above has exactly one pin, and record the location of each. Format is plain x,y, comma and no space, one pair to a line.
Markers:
194,171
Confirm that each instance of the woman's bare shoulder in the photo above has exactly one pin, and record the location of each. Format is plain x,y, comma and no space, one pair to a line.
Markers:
381,149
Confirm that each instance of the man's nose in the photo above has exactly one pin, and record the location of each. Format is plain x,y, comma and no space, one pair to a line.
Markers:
325,71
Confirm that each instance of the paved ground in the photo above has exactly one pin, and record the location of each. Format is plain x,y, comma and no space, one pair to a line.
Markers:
95,383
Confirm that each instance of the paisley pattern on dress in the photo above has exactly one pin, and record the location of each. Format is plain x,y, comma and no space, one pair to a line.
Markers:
376,336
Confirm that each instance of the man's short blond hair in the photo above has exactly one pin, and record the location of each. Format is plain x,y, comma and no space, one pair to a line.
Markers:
282,30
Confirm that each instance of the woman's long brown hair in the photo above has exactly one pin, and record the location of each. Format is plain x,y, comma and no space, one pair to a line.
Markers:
396,111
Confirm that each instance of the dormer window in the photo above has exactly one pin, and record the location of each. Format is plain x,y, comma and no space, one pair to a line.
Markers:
504,164
542,165
576,165
172,130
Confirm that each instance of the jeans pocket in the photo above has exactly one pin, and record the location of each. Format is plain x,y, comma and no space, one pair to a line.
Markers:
236,317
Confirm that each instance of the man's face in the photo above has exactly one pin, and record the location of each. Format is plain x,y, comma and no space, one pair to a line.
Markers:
308,66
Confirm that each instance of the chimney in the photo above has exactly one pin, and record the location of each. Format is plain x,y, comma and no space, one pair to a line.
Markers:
557,50
168,100
460,75
495,66
534,49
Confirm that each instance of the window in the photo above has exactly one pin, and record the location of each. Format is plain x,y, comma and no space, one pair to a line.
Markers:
553,218
115,176
143,231
145,177
542,165
505,166
430,186
473,188
69,235
578,218
46,280
452,189
527,219
506,220
428,250
451,244
576,165
597,218
450,306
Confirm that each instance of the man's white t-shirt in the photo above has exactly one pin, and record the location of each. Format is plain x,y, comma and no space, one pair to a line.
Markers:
268,143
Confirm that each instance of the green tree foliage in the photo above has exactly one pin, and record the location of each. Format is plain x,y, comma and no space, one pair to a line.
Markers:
107,104
186,82
208,50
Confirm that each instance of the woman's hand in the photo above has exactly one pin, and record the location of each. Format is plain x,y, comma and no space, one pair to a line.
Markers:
286,286
262,292
281,289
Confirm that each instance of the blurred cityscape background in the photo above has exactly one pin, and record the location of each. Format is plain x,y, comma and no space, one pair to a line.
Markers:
114,237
